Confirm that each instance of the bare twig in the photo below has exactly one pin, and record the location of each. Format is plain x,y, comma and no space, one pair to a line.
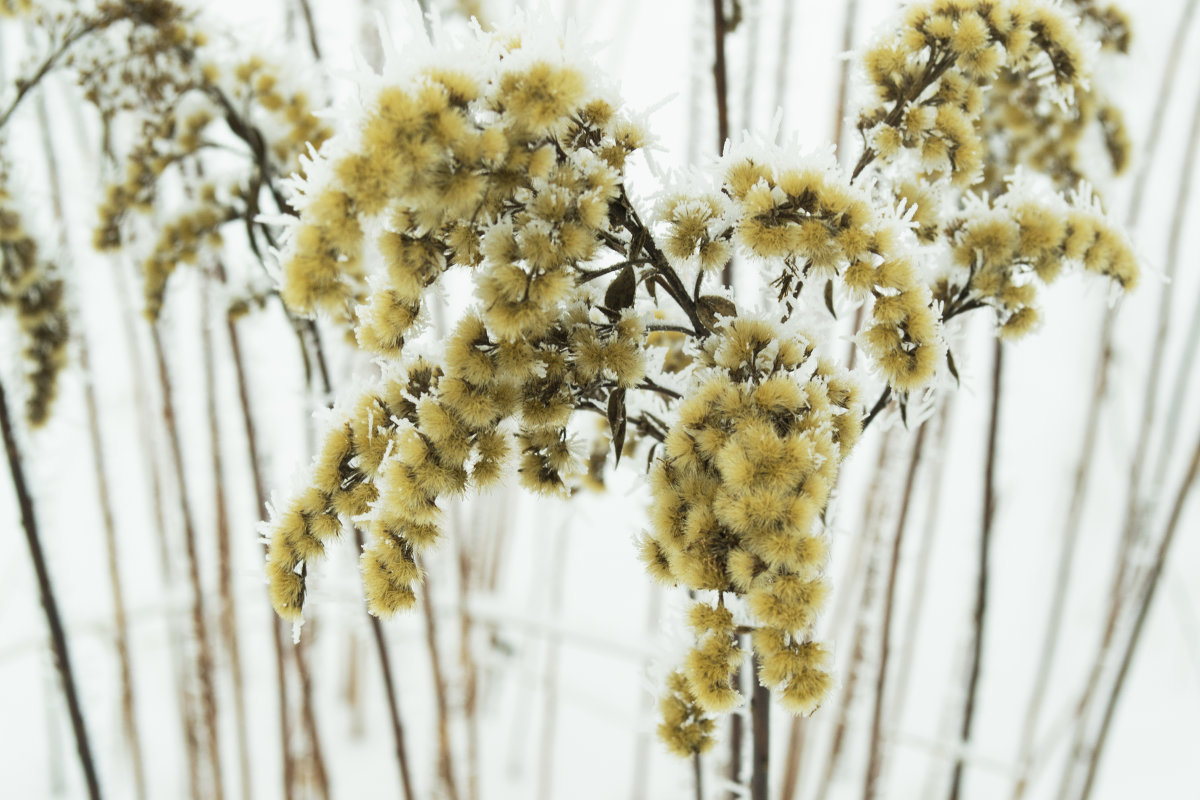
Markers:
58,636
981,583
721,87
204,662
445,759
103,492
1136,510
311,27
228,616
1147,600
760,731
875,756
839,115
260,499
389,689
865,560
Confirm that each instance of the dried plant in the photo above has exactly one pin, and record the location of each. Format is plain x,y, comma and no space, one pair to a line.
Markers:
502,158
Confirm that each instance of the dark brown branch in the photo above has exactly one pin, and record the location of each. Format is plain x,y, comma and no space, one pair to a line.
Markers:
933,70
58,636
25,85
721,87
310,25
760,731
880,404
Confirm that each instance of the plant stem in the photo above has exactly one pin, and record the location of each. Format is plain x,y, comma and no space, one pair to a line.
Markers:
58,636
981,585
26,85
735,737
721,87
103,491
1147,600
389,690
228,616
760,725
316,762
466,655
875,757
1136,510
1066,558
204,662
872,518
445,759
839,116
310,26
260,498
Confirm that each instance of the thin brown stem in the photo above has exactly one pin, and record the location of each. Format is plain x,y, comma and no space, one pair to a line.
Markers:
783,62
445,760
1147,600
875,756
26,85
839,114
1066,558
182,671
721,87
260,500
1135,510
760,732
984,570
466,655
204,661
308,716
868,543
228,616
735,738
311,27
923,560
389,690
58,636
103,491
937,66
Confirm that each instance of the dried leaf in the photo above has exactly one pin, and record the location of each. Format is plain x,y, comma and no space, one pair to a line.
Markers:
622,290
617,421
953,367
829,298
710,308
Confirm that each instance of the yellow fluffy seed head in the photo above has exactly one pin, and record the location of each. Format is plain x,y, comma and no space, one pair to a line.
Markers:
1019,323
787,602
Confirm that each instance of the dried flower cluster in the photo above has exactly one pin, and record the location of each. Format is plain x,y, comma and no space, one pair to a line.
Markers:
30,286
503,158
512,171
186,104
748,468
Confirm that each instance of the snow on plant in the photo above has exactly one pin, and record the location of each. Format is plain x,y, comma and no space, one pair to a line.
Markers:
503,157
